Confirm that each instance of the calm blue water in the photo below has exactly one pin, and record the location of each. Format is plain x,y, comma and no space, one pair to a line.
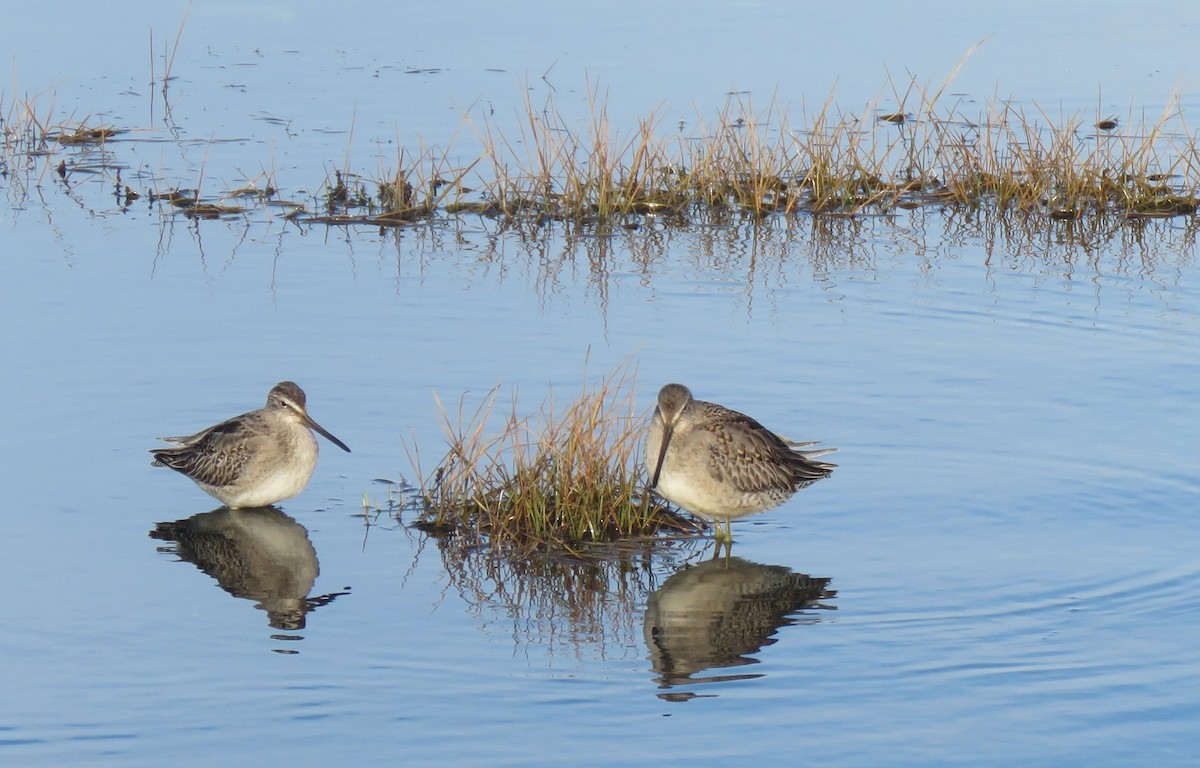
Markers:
1010,533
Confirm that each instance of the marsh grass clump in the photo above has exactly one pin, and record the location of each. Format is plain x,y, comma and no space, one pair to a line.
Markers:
560,479
829,162
913,146
412,193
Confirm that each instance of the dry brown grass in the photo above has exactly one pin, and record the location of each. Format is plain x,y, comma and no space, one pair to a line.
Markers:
923,149
756,163
565,478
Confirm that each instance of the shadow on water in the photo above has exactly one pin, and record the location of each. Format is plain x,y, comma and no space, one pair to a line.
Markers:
254,554
717,613
696,614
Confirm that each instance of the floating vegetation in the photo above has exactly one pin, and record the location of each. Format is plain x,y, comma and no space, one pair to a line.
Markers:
563,480
212,210
192,205
82,135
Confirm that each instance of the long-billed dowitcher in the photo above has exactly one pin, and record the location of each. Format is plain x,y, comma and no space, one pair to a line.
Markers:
720,464
255,459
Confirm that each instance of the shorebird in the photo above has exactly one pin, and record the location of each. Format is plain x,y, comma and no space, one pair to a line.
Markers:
255,459
719,464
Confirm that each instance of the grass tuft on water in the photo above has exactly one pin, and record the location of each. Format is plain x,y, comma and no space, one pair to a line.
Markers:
915,147
563,478
757,163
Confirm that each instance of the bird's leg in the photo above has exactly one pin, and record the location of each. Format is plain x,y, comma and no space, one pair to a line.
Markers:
721,546
718,531
729,531
723,539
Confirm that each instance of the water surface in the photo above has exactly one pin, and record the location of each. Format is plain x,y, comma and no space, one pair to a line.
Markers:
1009,533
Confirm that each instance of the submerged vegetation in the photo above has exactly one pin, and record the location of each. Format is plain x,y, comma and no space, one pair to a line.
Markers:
928,149
566,479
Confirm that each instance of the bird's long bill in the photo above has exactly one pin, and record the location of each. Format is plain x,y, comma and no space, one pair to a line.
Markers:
309,421
668,430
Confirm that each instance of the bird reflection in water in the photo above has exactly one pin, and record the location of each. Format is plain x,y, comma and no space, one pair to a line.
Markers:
256,554
717,613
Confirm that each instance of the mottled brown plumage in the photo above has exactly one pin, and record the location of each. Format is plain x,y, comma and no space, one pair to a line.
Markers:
255,459
720,464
